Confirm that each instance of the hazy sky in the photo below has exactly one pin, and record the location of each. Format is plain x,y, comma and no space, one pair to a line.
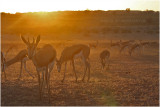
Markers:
13,6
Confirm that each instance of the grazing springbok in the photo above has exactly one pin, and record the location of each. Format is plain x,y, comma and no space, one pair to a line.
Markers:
43,59
104,57
22,58
133,48
3,61
71,53
124,47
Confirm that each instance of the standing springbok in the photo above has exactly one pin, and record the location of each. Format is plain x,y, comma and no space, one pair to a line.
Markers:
3,61
104,57
116,44
93,45
22,58
127,42
71,53
43,59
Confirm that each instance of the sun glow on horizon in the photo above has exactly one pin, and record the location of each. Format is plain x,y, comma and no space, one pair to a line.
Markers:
13,6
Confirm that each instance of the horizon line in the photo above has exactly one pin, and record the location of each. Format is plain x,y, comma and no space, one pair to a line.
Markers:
76,10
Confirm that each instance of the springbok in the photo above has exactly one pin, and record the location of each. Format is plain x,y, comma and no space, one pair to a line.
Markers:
116,44
126,46
127,42
133,48
3,61
43,59
22,58
143,45
93,45
71,53
104,57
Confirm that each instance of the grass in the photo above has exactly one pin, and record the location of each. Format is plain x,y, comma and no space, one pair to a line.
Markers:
108,98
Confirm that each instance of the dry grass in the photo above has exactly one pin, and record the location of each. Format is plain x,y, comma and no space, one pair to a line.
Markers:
129,81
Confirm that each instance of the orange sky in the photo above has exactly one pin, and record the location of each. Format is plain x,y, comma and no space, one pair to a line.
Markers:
13,6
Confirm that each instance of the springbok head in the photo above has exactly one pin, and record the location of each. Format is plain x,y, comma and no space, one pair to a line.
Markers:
31,47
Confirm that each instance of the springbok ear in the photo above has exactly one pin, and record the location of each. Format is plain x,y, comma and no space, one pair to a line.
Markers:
37,40
23,39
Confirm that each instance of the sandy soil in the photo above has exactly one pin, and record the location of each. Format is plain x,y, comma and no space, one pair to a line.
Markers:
131,81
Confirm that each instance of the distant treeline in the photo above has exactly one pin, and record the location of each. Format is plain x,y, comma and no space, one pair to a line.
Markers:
74,21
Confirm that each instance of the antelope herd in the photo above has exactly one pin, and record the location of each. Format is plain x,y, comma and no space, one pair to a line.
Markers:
44,58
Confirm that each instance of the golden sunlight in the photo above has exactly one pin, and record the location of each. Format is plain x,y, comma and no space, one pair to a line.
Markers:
79,52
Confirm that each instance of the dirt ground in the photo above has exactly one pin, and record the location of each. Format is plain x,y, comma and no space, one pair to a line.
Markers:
130,81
